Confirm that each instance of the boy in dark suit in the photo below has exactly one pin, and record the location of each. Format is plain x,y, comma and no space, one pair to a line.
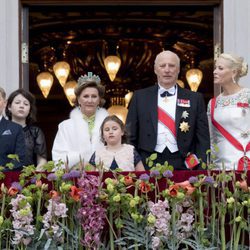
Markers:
168,120
11,138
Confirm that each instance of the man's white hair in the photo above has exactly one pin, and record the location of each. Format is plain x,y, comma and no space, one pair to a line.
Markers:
167,52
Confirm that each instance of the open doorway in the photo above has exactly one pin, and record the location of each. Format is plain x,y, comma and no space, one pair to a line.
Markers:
84,34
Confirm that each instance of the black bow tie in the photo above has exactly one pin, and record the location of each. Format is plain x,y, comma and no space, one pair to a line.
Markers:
166,93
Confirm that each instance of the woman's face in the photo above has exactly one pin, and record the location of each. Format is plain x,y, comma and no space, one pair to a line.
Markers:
20,107
223,73
89,100
112,133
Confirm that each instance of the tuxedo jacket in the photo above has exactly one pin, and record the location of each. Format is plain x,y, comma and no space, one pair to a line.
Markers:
142,121
11,142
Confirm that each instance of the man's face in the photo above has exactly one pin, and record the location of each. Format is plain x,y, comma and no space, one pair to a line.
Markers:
2,104
167,69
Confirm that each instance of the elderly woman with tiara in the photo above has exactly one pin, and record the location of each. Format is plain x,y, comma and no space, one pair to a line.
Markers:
229,115
79,136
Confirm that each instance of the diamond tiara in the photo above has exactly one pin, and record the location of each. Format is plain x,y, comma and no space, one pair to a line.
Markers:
88,78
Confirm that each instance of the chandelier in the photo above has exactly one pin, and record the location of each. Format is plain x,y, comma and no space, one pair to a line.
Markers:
120,111
180,83
112,65
127,98
61,70
45,81
194,77
69,90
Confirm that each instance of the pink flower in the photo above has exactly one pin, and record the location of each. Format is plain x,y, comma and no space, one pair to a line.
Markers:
128,180
243,185
156,243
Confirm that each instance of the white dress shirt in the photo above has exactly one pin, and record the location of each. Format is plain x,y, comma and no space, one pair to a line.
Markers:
165,138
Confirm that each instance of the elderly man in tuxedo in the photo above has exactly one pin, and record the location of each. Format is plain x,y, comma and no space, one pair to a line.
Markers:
11,138
168,120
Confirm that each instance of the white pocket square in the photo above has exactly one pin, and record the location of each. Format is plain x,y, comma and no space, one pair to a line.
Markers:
6,132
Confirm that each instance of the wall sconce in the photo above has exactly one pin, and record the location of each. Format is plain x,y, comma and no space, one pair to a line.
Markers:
112,65
69,90
45,81
61,70
194,77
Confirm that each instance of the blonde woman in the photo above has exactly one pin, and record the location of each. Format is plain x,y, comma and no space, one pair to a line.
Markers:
229,115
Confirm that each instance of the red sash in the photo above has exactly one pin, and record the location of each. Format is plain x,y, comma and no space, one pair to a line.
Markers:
167,121
243,160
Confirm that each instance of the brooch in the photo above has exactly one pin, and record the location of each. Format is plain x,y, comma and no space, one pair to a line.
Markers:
185,114
184,127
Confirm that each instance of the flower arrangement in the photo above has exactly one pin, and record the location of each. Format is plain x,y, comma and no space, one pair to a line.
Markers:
75,209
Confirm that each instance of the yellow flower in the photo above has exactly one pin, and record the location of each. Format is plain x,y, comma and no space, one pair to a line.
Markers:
59,173
135,216
45,186
117,198
137,199
230,200
29,199
184,127
24,212
180,195
65,187
151,219
110,188
245,203
103,196
132,203
109,181
238,219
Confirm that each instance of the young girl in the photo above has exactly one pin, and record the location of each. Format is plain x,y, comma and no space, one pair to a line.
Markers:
21,109
115,153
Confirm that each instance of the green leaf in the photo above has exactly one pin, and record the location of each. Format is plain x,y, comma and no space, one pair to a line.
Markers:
153,156
47,245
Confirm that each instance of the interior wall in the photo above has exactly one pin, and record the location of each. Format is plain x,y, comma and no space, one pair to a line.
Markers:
237,31
9,45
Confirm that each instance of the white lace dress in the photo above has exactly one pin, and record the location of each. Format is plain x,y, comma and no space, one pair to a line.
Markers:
126,158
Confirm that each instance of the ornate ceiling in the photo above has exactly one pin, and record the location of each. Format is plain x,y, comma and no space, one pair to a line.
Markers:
84,35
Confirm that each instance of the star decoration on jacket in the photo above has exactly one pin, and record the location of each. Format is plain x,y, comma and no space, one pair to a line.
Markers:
184,127
185,114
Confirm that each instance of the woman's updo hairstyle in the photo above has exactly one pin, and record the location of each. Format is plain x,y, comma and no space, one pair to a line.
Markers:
237,63
90,81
